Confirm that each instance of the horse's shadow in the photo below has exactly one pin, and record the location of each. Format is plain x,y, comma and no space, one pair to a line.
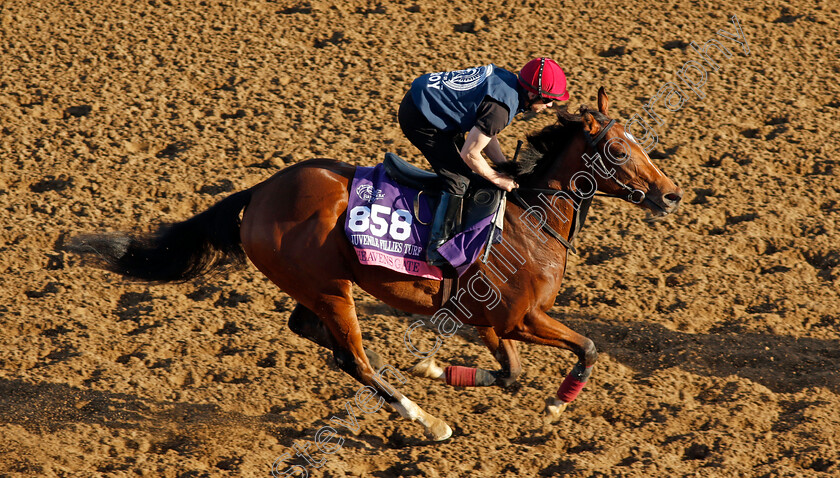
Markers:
47,407
783,364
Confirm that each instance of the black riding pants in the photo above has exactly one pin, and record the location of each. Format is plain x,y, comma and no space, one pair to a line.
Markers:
441,148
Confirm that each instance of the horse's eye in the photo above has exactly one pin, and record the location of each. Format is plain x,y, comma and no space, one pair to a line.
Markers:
617,155
617,151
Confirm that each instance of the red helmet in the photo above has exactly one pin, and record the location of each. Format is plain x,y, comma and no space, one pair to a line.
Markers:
544,77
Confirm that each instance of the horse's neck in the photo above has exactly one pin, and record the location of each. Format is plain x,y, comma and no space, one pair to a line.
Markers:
562,169
558,210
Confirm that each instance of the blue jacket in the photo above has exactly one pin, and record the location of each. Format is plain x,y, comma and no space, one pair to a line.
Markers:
449,100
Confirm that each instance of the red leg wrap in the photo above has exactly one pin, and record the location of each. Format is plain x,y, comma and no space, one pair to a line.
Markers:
571,387
460,376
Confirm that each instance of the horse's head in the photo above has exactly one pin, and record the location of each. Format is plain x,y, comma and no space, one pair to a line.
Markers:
590,151
621,166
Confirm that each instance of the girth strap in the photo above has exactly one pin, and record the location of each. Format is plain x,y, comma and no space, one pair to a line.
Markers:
446,286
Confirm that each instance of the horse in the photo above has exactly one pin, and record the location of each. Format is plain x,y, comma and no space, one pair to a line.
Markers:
290,227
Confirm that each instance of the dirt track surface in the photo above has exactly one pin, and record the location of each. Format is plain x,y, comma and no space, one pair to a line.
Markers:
717,327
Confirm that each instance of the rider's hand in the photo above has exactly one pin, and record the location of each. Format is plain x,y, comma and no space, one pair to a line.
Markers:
503,181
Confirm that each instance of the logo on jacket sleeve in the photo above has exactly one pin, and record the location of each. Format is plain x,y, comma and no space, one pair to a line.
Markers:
461,80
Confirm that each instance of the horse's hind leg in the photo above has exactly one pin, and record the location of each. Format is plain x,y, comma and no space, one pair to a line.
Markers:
306,324
504,351
335,307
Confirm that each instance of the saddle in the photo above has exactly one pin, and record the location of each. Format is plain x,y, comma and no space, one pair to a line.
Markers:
479,202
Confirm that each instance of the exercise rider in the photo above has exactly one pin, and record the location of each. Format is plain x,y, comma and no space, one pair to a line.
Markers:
440,108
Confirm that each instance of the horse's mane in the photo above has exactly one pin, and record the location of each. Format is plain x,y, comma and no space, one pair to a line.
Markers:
545,145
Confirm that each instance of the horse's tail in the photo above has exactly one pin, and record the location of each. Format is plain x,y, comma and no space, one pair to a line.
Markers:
176,252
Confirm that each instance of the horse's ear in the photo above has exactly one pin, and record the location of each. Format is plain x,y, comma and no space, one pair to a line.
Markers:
590,123
603,101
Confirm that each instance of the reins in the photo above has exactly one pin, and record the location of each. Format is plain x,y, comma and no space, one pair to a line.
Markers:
545,227
583,207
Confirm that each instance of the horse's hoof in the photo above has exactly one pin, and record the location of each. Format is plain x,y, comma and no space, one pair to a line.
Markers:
428,368
553,410
438,432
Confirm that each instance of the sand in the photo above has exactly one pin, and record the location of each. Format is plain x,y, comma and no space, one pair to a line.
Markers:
717,327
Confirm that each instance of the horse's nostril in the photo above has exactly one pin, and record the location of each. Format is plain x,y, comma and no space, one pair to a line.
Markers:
673,198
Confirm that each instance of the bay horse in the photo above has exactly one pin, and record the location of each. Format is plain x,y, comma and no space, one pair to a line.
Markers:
291,229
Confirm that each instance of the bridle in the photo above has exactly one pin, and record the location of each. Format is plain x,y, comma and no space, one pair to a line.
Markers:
593,143
630,196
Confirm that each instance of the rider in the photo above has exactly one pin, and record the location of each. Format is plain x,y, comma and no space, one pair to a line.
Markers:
440,107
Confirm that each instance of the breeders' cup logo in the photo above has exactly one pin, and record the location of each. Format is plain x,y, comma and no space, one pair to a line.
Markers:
463,80
368,194
460,80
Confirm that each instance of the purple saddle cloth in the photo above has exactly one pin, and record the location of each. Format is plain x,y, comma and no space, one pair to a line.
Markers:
384,231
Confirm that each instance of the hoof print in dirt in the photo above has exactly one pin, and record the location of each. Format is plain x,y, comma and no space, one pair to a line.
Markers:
52,183
77,111
223,186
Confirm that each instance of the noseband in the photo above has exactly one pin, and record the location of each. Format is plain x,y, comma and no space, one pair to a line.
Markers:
634,196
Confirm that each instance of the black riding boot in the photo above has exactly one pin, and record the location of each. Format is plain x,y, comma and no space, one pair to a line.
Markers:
447,221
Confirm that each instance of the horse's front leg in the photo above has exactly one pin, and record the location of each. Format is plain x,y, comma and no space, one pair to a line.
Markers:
504,351
539,328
